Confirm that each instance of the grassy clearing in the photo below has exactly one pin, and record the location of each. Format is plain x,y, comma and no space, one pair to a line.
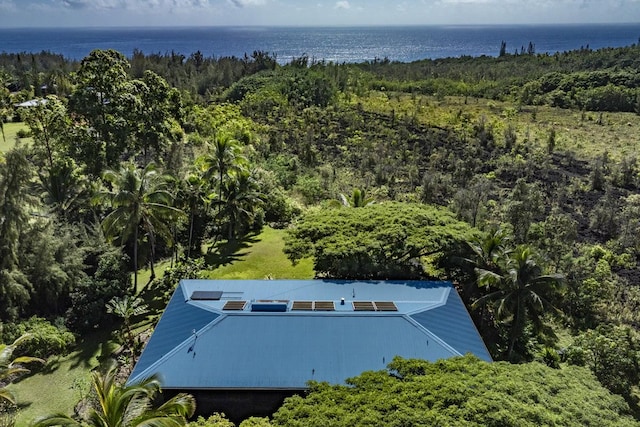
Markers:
63,382
10,135
144,274
262,257
257,257
588,134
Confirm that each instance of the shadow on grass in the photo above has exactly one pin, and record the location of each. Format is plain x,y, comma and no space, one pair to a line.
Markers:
22,405
228,252
97,344
156,297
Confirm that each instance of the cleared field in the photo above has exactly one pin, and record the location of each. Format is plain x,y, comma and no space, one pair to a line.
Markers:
10,134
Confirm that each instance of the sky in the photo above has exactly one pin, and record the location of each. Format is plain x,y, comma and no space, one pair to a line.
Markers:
89,13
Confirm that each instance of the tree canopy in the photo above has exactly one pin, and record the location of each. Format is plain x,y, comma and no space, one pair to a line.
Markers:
459,391
379,241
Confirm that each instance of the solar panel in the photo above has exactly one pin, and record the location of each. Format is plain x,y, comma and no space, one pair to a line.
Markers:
206,295
385,306
324,306
363,306
302,305
234,305
272,306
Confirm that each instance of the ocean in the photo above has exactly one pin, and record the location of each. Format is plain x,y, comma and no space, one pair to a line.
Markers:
335,44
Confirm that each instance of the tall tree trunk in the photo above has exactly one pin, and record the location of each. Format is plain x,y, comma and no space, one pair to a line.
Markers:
152,243
190,234
516,329
220,202
135,260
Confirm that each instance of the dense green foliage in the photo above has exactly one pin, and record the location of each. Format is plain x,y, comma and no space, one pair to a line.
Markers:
91,295
219,420
41,338
612,353
459,391
379,241
11,367
584,78
378,170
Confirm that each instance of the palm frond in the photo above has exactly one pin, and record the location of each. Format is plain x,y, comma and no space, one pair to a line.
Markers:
57,419
7,396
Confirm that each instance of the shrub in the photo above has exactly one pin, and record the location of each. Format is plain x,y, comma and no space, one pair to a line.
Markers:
215,420
310,188
45,339
256,422
89,299
613,354
279,209
459,391
23,133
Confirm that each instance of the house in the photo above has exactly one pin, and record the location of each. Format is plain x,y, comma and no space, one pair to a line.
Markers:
31,103
242,346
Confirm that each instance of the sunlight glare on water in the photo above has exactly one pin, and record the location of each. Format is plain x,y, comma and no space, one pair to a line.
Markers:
348,44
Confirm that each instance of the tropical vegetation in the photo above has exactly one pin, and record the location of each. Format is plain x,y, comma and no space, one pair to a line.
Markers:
515,177
459,391
129,405
11,367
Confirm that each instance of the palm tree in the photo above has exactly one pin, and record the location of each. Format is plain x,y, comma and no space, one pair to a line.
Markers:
127,406
490,249
358,199
62,188
9,368
192,191
126,308
224,159
519,293
241,199
139,200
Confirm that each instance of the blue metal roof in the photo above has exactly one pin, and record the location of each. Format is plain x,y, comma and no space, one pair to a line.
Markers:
245,349
452,320
176,325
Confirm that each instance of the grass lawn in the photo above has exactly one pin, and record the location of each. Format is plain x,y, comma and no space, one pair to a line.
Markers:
144,274
257,257
10,134
63,382
262,258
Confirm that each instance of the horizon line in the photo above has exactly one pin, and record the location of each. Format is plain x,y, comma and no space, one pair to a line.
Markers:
257,26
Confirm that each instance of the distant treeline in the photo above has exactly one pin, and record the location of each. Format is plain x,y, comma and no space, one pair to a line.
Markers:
596,80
